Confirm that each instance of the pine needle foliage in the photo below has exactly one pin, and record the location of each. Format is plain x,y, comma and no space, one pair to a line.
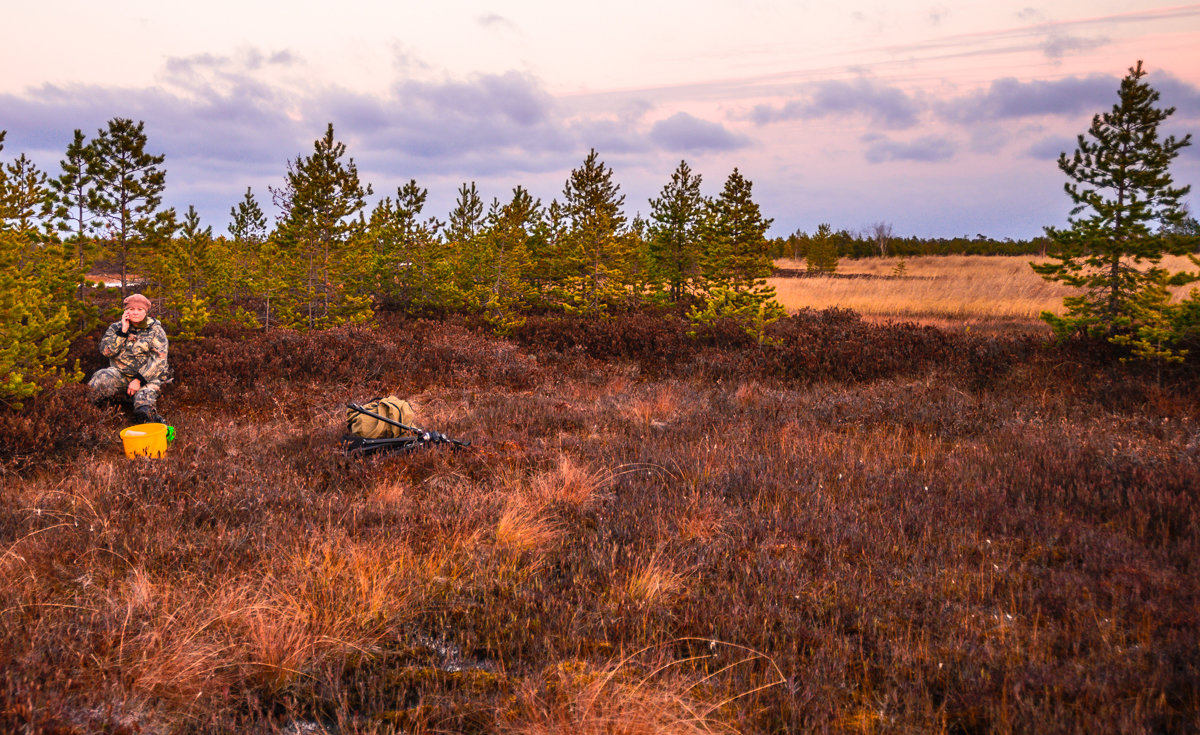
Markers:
597,252
1125,205
736,262
671,242
129,184
321,202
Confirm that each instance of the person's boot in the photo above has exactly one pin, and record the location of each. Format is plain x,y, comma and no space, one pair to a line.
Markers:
147,416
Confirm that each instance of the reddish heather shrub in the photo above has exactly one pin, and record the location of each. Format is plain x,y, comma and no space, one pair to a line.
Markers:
51,424
647,338
830,345
902,529
399,353
836,344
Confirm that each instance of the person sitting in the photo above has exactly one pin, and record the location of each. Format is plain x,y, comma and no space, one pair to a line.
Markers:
136,348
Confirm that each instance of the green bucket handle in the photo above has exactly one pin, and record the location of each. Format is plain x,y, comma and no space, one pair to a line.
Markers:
170,435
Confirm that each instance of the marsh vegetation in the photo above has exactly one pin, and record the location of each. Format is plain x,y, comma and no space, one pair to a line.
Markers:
856,528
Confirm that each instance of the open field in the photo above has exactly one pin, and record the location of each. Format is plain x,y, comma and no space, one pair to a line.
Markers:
945,290
863,528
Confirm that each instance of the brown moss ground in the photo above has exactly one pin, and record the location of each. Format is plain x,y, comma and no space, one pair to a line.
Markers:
876,528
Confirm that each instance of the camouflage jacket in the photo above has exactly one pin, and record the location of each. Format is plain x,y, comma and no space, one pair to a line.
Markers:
139,353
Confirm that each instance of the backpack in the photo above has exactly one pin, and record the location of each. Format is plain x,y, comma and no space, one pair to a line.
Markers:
369,427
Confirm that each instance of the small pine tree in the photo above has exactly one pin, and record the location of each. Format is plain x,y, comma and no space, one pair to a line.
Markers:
822,256
462,241
596,247
34,328
549,266
320,204
1120,183
248,232
128,191
750,310
671,236
736,261
411,266
505,245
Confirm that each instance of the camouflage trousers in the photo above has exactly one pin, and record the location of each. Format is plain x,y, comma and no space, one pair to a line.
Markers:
110,383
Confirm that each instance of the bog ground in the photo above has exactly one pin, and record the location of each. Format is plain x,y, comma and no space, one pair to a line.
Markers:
860,528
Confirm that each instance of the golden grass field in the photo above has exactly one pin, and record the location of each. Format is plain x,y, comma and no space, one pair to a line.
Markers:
946,290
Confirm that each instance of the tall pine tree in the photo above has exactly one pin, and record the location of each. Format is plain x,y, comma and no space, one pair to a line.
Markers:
75,222
1125,206
596,251
320,202
128,191
672,242
736,261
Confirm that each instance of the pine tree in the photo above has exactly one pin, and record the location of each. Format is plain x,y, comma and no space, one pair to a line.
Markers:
596,247
191,274
321,201
128,191
736,261
411,265
43,264
464,230
672,241
248,249
35,322
70,193
822,255
505,244
549,267
23,196
1125,206
272,278
34,327
466,219
247,223
644,284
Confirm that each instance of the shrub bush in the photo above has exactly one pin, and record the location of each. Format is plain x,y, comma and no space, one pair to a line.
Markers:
52,424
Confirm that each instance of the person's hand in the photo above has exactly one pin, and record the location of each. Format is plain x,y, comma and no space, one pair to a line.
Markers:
134,386
125,321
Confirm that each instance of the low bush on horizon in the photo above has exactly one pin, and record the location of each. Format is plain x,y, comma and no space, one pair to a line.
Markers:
855,528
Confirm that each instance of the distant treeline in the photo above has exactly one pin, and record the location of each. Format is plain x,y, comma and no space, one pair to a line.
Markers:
877,241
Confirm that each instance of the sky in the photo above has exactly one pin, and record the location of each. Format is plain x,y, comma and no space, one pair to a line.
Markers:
940,118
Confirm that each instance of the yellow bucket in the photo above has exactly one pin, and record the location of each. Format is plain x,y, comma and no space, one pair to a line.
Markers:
145,440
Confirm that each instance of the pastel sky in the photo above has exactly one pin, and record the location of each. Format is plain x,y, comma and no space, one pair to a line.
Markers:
943,118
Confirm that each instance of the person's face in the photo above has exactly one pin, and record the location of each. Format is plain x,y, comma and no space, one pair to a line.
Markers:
135,313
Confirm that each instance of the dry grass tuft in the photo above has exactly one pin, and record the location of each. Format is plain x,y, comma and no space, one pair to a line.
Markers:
391,493
646,693
657,405
571,482
652,582
703,520
526,528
